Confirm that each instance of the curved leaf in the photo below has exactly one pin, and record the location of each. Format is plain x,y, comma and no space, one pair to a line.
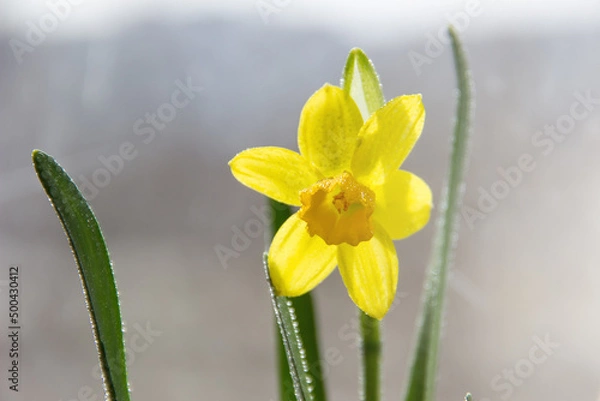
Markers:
95,271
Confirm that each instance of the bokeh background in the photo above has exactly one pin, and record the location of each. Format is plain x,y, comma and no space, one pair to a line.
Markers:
79,78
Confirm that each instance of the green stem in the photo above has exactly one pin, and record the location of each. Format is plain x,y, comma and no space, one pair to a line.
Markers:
371,357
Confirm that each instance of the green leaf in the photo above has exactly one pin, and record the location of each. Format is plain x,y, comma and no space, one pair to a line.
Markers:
468,397
305,318
95,271
303,306
287,321
421,385
362,83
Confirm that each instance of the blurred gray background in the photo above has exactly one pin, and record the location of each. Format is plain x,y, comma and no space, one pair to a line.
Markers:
200,328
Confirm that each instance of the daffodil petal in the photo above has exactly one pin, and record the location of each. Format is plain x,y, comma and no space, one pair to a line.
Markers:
404,204
370,273
328,130
387,138
297,261
275,172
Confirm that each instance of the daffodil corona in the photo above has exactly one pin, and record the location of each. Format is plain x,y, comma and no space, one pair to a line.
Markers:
353,198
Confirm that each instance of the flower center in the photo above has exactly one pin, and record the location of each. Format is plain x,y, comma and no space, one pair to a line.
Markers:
338,209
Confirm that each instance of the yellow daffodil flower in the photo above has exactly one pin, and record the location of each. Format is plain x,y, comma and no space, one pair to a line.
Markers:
353,198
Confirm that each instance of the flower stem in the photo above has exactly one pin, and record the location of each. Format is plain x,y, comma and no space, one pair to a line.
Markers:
371,357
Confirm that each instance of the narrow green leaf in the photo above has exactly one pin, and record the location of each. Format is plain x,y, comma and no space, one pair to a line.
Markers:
362,83
305,317
95,271
303,306
421,385
286,384
285,316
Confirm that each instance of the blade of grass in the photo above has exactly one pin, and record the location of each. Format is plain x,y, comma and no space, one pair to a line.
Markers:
361,82
421,385
95,271
307,330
